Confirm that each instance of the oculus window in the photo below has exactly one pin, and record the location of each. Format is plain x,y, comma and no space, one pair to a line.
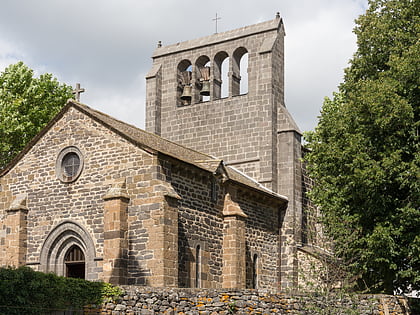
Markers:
69,164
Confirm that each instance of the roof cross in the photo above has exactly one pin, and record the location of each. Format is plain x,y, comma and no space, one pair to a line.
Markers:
216,19
77,91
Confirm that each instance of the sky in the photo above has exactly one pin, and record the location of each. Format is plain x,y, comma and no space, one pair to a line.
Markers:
106,45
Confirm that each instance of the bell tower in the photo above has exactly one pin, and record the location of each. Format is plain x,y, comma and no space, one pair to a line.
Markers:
224,95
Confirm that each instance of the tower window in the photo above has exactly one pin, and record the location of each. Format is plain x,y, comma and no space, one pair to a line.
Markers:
240,71
202,81
184,78
220,81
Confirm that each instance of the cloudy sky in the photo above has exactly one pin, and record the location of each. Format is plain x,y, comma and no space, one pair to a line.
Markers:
106,44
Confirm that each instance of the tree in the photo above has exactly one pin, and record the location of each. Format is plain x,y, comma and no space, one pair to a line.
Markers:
26,105
365,152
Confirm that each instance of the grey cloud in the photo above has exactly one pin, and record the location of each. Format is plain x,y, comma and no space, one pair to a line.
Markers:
106,45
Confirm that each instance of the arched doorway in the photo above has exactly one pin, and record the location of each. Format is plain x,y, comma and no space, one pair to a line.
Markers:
69,250
75,263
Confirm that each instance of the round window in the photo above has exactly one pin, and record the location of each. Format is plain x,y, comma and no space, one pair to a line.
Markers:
69,164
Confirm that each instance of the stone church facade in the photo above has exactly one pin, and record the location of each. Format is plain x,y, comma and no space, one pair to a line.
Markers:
96,198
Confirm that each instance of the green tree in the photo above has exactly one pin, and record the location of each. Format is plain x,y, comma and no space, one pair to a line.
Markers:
27,104
365,151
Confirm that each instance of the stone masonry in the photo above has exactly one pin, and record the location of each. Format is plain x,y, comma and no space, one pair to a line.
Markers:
135,209
253,131
148,301
95,197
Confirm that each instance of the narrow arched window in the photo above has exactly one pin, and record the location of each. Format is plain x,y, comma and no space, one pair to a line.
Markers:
244,74
225,78
240,71
255,271
184,78
202,75
221,80
198,267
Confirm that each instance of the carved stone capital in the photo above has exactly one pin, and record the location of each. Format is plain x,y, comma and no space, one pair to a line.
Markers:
19,203
117,191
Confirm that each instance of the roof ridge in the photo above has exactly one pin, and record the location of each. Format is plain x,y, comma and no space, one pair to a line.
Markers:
144,139
138,129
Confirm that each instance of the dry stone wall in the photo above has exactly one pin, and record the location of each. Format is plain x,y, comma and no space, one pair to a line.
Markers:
145,301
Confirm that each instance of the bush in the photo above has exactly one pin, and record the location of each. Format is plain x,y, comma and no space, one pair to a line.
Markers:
24,291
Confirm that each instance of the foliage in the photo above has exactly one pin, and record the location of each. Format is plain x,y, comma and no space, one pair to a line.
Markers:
27,104
110,293
231,307
323,278
365,152
24,291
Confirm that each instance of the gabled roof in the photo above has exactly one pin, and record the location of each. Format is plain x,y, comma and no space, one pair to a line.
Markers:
151,143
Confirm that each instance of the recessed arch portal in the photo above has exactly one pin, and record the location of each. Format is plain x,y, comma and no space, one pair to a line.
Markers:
59,243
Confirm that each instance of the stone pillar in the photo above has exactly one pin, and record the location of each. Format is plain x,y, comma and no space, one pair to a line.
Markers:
115,235
290,185
153,100
16,232
163,241
234,249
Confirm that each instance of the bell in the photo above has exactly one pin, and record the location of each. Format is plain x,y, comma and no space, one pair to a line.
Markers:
186,93
205,89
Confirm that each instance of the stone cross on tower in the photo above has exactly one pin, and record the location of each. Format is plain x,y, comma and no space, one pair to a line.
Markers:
77,91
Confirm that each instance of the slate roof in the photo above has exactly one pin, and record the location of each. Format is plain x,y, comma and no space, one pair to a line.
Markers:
151,143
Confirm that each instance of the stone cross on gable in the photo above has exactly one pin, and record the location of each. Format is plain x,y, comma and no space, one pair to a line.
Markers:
216,19
77,91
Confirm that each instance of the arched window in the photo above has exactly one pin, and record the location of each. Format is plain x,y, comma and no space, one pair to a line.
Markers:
221,70
225,78
244,74
184,79
240,71
202,74
255,271
75,263
198,266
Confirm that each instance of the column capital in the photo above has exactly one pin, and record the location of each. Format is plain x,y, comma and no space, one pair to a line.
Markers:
19,204
231,207
117,191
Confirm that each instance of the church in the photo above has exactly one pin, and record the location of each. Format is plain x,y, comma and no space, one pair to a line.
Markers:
209,196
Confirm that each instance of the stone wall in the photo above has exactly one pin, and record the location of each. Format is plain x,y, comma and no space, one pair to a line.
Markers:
145,301
138,217
199,228
50,203
238,128
253,132
262,243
